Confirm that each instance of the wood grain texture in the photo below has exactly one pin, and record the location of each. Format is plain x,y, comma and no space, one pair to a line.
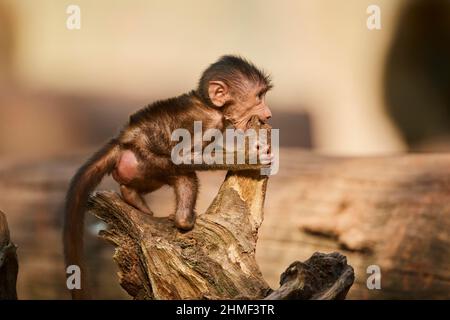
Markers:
216,260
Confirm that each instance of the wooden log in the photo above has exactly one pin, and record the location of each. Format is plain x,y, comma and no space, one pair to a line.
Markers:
8,263
215,260
321,277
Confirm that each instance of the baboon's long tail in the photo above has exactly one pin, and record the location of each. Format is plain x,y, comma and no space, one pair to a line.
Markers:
82,184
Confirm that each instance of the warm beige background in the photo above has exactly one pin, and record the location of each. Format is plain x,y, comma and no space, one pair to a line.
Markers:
322,56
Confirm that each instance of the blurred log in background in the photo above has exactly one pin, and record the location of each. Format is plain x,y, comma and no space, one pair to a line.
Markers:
387,211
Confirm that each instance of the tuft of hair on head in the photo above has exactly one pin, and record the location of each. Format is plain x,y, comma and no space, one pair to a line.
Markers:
232,70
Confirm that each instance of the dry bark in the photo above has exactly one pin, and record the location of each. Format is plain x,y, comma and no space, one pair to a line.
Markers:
216,260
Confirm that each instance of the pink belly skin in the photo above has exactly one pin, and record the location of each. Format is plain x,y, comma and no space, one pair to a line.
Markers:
126,168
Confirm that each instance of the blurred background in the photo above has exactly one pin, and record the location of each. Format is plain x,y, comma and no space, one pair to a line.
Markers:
340,89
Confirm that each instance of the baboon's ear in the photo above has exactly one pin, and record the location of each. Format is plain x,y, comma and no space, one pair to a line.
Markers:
218,93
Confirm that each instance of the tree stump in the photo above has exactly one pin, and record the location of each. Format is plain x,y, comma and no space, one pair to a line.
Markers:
8,263
215,260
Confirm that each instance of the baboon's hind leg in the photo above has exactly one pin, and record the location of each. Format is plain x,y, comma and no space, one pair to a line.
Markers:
135,199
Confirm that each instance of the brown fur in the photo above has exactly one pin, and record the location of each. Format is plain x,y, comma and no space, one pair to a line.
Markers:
147,137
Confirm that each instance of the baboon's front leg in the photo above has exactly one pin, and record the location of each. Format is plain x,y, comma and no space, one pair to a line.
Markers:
186,190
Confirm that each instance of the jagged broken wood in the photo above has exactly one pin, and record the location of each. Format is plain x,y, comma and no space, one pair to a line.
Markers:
216,260
8,263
